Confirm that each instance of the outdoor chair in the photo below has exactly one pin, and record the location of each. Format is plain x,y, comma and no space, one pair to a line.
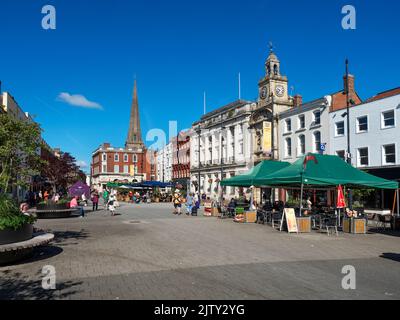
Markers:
371,217
276,218
383,220
330,224
223,211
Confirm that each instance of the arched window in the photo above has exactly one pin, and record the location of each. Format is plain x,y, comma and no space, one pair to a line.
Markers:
135,158
276,71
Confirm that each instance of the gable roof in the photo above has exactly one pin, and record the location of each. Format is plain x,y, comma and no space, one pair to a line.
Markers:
385,94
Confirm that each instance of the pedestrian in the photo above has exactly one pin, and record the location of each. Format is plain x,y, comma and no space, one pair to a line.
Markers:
74,205
189,204
40,196
56,198
84,199
177,201
46,196
196,199
95,201
111,204
105,198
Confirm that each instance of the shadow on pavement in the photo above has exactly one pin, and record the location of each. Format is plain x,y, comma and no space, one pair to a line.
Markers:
38,254
384,232
14,286
391,256
66,238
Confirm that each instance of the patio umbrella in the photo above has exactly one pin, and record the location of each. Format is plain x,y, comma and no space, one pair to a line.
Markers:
340,202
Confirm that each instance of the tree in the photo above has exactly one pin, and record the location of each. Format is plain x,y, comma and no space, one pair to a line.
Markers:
61,171
20,144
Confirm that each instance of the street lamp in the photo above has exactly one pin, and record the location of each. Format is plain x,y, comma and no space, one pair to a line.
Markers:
348,101
222,163
198,131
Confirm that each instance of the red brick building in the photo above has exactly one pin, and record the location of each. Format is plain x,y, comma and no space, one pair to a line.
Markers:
181,158
132,163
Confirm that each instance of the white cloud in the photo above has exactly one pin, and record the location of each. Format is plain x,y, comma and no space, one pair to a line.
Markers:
82,164
78,100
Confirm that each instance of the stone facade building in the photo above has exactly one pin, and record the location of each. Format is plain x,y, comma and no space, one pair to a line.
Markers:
221,147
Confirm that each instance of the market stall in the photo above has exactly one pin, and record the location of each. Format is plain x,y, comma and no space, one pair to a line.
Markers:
247,180
315,171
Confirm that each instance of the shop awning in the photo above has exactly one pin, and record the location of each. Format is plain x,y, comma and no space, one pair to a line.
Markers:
262,169
316,170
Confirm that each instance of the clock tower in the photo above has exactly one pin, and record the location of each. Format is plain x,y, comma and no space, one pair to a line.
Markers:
273,88
273,99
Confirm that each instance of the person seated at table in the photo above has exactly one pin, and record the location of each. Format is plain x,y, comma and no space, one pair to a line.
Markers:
232,206
309,203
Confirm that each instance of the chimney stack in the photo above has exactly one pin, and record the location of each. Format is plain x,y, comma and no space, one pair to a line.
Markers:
297,100
351,84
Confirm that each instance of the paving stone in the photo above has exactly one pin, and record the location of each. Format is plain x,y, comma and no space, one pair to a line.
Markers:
169,257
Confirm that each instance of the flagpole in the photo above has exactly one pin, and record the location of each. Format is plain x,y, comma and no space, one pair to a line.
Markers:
204,103
302,186
240,94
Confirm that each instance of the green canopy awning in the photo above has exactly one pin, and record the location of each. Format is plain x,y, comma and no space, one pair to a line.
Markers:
324,171
263,168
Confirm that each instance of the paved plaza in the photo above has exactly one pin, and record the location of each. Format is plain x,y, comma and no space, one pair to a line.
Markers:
146,252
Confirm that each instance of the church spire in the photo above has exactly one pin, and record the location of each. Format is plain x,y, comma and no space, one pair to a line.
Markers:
134,139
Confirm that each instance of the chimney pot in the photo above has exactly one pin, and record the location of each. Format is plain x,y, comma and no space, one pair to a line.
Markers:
297,100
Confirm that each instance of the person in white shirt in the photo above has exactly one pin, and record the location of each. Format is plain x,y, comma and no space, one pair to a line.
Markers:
84,199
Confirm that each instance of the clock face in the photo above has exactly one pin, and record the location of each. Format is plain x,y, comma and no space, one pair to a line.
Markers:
280,91
263,93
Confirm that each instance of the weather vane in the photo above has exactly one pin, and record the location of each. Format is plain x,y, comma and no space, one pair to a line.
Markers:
271,46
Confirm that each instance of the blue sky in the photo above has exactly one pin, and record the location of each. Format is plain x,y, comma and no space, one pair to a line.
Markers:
178,50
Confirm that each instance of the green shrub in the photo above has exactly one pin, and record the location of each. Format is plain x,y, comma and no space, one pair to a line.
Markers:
10,216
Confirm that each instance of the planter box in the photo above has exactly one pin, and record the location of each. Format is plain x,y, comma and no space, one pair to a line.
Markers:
52,206
396,223
214,212
355,226
304,224
250,216
8,236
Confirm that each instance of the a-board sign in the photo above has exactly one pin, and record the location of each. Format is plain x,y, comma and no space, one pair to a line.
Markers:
291,222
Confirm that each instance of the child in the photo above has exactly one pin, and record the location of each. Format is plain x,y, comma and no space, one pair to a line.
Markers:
111,204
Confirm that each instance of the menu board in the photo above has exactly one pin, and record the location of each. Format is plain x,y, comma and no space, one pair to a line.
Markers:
291,221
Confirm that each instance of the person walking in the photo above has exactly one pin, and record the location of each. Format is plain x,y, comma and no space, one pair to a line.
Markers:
95,201
84,199
111,204
177,201
105,198
196,200
189,204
